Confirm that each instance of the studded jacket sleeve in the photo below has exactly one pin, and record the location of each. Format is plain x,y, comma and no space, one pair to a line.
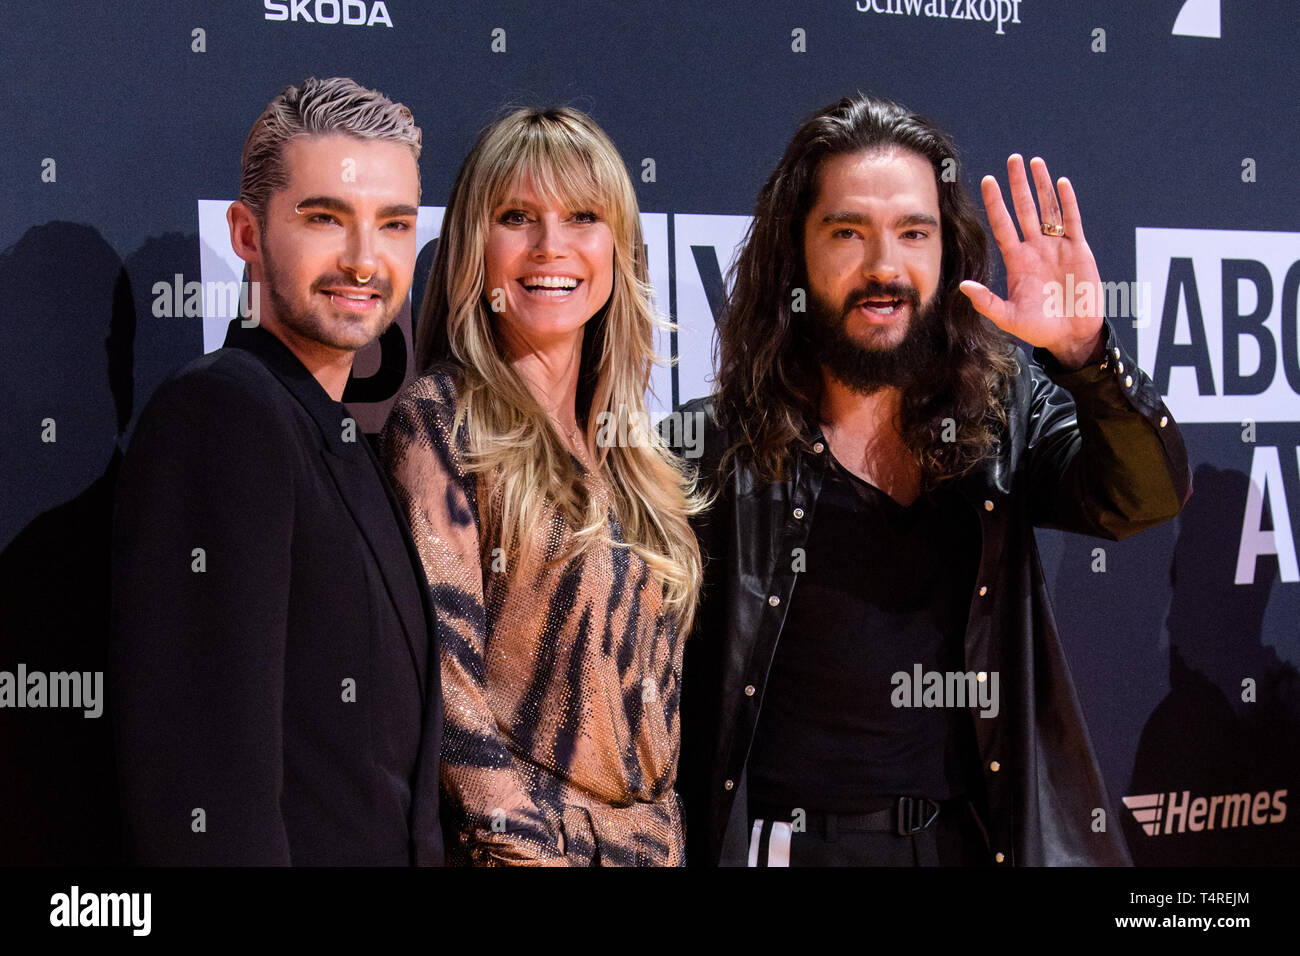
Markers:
1102,453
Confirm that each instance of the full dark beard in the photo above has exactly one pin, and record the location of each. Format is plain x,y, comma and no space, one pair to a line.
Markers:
866,369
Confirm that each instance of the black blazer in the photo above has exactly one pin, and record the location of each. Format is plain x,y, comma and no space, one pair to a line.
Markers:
274,678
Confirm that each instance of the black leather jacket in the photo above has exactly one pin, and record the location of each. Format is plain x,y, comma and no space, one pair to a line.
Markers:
1093,451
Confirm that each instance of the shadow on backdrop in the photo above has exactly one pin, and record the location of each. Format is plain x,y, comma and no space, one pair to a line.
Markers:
88,363
1203,738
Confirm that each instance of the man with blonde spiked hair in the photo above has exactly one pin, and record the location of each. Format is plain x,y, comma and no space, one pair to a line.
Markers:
274,675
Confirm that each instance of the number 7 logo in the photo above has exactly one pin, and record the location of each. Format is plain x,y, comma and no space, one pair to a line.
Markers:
1198,18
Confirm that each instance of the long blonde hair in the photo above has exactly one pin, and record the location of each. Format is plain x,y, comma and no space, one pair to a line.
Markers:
513,444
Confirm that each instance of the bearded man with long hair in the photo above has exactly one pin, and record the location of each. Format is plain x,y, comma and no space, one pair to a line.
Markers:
874,675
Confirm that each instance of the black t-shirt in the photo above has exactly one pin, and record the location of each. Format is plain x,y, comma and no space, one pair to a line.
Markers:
885,587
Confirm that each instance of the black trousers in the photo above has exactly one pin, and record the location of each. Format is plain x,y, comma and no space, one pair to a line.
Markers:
955,838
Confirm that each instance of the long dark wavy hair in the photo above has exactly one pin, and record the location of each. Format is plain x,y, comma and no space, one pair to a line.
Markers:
769,385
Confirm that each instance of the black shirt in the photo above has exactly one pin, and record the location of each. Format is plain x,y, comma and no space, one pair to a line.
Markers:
885,587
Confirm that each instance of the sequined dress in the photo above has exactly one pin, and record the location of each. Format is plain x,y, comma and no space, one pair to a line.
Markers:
561,683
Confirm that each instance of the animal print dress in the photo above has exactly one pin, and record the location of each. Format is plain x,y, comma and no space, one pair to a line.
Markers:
560,683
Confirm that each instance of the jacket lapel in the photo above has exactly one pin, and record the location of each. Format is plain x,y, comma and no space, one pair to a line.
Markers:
359,480
356,477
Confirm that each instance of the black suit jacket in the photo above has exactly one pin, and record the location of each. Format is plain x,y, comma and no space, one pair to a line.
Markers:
274,676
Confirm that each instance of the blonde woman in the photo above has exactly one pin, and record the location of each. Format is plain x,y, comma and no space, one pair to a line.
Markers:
551,523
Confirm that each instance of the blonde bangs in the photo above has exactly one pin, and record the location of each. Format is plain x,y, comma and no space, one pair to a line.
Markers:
518,454
562,171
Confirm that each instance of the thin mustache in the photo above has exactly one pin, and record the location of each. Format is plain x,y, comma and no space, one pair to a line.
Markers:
382,286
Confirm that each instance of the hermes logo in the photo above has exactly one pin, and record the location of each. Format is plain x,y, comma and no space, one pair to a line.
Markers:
1161,814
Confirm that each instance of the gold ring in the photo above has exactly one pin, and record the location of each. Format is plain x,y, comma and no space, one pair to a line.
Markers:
1052,229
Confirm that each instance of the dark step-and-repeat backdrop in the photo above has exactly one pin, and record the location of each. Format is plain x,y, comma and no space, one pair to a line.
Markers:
1176,121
